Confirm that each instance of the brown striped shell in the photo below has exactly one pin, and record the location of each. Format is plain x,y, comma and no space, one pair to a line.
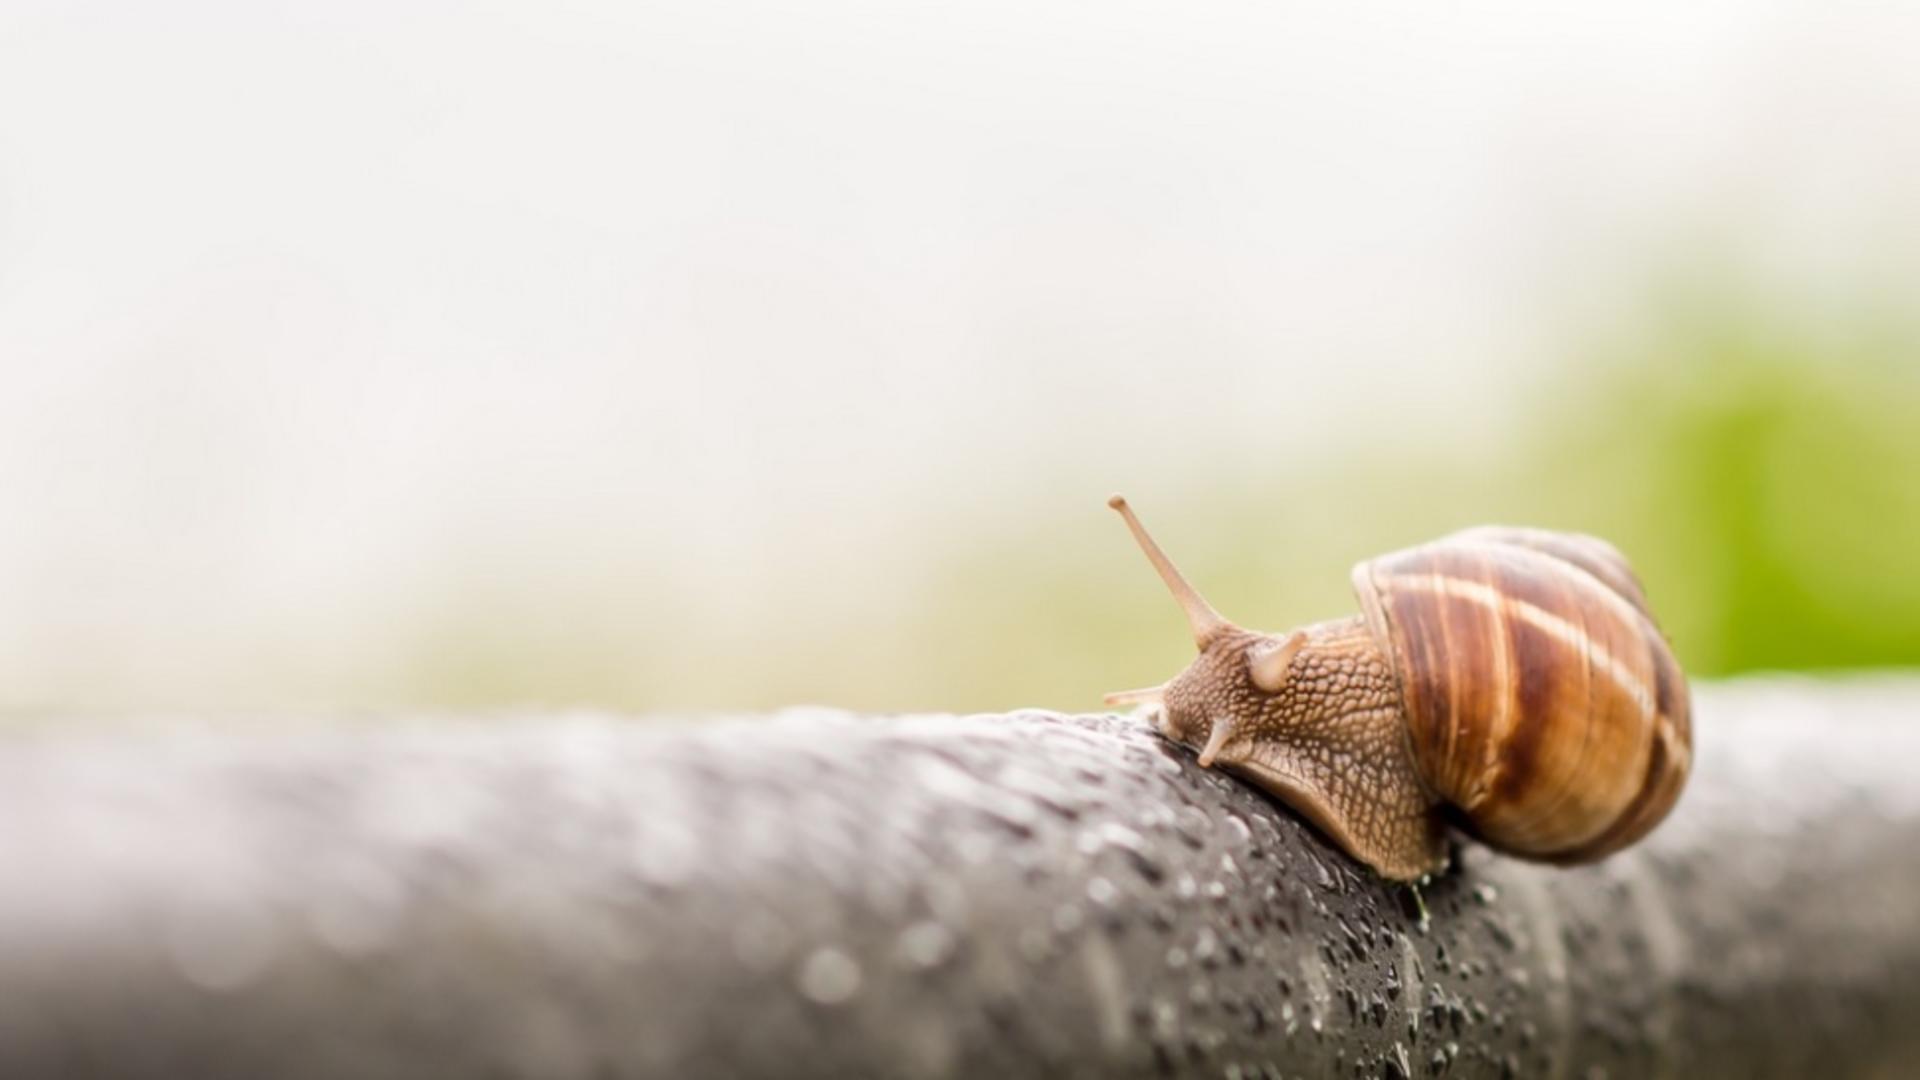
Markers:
1541,699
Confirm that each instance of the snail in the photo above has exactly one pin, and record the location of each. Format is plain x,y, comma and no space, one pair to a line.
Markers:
1508,680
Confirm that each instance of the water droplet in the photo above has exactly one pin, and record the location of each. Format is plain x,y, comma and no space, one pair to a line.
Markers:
1206,946
1239,829
1108,834
1067,918
1166,1019
1322,874
1102,892
1485,894
1186,888
926,945
1116,835
1011,810
1154,814
829,977
1502,934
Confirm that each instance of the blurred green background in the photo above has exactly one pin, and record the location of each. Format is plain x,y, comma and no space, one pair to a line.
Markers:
733,356
1762,473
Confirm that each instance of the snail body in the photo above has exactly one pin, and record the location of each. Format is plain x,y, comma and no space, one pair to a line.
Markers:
1510,680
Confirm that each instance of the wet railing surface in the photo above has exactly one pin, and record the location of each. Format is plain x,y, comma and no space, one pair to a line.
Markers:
815,894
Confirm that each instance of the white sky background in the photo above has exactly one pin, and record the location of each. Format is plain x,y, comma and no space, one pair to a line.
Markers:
323,325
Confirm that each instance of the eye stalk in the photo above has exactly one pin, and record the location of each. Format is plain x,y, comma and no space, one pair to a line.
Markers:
1208,626
1206,623
1146,695
1269,662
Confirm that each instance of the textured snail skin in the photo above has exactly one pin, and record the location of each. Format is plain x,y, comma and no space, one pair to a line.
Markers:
1509,680
1332,743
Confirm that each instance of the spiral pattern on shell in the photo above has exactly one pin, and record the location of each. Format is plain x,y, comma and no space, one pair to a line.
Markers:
1541,699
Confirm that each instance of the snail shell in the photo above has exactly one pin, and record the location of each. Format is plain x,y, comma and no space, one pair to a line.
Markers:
1542,701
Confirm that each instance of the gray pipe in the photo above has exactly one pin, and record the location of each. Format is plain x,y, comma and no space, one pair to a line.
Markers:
824,895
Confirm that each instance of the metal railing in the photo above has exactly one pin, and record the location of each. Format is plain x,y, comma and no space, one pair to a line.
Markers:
823,895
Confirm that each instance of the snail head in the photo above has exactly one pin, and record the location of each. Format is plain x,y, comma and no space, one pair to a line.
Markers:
1236,674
